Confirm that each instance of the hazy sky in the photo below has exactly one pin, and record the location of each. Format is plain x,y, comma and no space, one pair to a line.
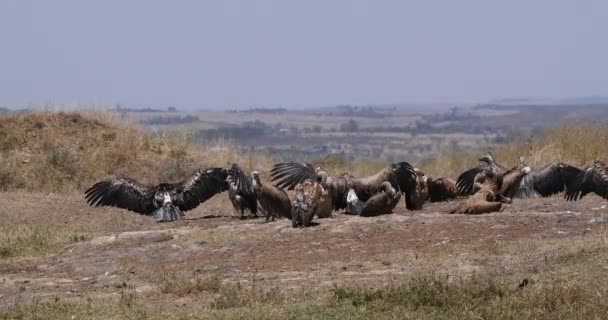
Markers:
299,53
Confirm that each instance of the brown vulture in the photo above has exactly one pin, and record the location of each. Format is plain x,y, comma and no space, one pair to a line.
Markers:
547,181
400,175
465,181
241,192
492,190
274,201
442,189
592,179
165,201
310,198
384,201
419,194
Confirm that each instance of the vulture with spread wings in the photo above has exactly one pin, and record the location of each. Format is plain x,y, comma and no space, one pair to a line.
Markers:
466,180
400,175
592,179
493,190
547,181
165,201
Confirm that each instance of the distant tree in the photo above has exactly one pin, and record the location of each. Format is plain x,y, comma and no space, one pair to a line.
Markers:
172,109
349,126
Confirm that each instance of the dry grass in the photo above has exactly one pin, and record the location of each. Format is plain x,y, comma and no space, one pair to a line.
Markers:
63,152
577,144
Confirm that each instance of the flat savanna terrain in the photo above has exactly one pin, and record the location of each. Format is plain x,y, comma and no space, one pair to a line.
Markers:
65,259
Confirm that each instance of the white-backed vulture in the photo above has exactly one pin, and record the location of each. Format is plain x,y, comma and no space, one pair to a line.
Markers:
383,202
592,179
273,201
465,181
442,189
400,175
547,181
240,191
165,201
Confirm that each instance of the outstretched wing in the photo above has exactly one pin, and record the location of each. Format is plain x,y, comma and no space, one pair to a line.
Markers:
122,193
204,184
466,180
289,174
550,179
593,179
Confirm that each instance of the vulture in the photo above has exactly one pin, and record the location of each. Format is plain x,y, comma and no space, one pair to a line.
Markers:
400,175
274,201
165,201
442,189
310,198
241,192
419,194
493,190
384,201
547,181
592,179
465,181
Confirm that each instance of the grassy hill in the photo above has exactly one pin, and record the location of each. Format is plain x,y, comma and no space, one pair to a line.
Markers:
62,152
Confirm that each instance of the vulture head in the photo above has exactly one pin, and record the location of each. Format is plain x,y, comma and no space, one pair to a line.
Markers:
164,196
487,159
321,177
255,175
387,187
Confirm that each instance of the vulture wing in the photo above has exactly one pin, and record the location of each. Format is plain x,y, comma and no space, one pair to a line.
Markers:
593,179
289,174
243,184
466,181
404,176
547,181
204,184
122,193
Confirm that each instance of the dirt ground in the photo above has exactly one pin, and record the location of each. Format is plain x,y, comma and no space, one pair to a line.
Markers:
120,249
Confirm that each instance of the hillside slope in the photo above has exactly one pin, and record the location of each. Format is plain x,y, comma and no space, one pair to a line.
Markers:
62,152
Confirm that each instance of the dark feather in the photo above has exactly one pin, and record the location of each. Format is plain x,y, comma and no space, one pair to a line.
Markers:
204,184
466,181
122,193
547,181
592,179
289,174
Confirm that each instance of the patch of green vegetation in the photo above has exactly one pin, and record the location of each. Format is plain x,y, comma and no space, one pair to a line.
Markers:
24,240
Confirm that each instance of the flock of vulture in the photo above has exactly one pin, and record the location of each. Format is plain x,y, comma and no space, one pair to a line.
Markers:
488,186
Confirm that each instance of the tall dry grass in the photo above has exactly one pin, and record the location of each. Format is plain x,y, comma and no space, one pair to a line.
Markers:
64,152
577,144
